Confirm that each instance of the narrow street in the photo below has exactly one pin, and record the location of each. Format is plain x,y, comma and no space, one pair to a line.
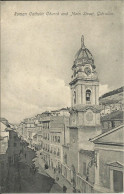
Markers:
22,178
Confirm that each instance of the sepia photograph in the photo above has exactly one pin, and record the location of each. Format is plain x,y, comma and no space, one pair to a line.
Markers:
62,97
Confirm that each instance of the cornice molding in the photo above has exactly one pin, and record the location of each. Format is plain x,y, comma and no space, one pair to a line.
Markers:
79,108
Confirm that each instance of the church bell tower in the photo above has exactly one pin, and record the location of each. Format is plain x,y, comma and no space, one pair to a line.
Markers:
85,110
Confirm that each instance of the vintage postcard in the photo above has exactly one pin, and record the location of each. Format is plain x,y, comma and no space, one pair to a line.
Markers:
62,99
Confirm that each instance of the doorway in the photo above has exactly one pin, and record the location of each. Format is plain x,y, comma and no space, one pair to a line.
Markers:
118,181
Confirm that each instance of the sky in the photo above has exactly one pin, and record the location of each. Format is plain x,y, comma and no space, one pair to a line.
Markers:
37,52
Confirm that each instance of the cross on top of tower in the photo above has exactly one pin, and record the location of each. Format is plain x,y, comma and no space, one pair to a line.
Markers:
82,42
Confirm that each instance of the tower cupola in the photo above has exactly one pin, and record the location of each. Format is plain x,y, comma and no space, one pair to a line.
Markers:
83,66
83,56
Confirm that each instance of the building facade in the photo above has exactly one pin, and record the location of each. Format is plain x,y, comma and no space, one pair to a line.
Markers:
4,137
112,101
30,129
54,133
112,120
109,161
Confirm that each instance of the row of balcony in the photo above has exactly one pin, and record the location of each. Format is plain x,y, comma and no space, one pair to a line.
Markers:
46,138
50,151
55,139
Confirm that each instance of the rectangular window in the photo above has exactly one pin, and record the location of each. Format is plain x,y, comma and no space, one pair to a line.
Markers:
14,144
58,139
48,148
58,153
84,168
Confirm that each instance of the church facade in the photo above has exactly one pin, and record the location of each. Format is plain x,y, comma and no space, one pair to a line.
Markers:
79,157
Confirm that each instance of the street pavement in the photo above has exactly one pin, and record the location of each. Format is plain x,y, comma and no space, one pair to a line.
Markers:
56,189
50,172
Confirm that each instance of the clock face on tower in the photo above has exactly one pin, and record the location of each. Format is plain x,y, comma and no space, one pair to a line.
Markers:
87,70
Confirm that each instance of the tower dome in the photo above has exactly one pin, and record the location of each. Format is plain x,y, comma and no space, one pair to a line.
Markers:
83,56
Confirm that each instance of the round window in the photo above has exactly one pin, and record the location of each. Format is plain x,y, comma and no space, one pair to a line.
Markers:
89,116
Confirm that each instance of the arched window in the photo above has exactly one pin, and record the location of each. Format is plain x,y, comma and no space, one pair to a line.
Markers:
88,95
74,97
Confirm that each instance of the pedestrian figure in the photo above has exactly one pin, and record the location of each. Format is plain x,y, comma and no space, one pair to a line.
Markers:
30,169
74,190
64,189
46,166
54,170
34,170
57,178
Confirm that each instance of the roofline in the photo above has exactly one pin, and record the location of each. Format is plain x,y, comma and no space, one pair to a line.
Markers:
106,133
110,143
3,123
116,90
